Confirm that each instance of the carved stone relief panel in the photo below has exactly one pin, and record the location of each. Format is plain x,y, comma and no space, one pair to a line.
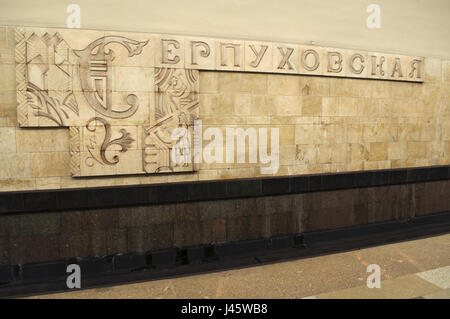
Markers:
176,106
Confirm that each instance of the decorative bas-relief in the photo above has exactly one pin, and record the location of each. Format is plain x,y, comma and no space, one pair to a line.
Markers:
44,80
176,106
124,95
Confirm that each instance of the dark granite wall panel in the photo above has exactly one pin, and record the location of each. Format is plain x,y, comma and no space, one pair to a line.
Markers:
52,235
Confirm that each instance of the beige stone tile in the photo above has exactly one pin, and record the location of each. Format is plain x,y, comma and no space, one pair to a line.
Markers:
8,139
48,183
358,152
154,179
225,105
200,53
254,83
348,106
379,133
355,166
339,167
397,151
310,85
417,150
428,91
230,82
8,72
287,154
42,140
207,174
286,133
279,84
101,181
349,87
330,106
433,69
310,60
285,58
209,105
7,53
230,55
242,104
3,37
10,121
209,82
127,180
288,105
400,90
70,182
169,51
339,154
247,172
16,184
434,152
429,132
446,70
335,133
50,164
318,168
258,56
381,89
324,154
182,177
306,153
409,132
8,103
260,105
304,133
312,106
284,120
378,151
15,165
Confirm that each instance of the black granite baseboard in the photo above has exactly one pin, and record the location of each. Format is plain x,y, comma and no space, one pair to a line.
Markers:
47,277
121,196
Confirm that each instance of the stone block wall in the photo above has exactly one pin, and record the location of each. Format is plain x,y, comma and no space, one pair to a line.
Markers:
326,124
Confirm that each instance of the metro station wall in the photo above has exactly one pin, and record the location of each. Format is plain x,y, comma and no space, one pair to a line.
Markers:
326,125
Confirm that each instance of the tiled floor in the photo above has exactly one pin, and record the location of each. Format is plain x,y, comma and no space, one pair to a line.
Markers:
434,284
412,269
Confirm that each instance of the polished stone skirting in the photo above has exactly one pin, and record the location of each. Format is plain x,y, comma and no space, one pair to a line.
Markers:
121,196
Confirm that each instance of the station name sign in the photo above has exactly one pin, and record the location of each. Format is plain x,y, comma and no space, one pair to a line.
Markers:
269,57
